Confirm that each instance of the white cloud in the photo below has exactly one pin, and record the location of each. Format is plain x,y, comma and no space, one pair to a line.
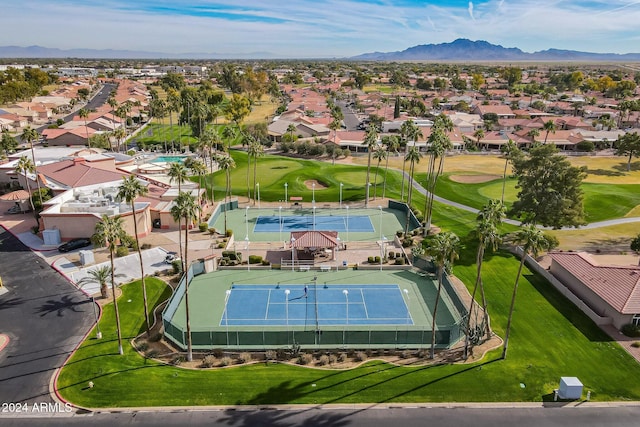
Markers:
471,11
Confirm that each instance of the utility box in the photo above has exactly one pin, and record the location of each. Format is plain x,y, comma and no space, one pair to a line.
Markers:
51,237
86,258
570,388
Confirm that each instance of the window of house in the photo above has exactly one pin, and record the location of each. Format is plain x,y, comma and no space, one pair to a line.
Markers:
636,320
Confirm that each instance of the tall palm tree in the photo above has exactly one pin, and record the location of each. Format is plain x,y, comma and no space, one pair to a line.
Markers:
226,163
392,143
443,248
510,150
291,129
533,241
99,275
487,234
438,144
407,129
229,133
29,134
185,207
198,168
380,153
84,114
413,156
533,134
370,141
334,126
178,173
255,150
549,126
129,190
24,166
110,231
114,105
173,105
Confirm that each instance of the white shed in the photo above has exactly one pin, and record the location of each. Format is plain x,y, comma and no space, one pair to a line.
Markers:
570,388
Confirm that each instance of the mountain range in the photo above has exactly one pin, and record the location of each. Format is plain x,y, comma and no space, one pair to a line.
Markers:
458,50
468,50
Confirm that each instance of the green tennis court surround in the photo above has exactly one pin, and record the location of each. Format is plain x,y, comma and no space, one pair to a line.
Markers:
270,309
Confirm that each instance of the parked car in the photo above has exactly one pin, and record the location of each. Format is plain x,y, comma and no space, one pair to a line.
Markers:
15,209
74,244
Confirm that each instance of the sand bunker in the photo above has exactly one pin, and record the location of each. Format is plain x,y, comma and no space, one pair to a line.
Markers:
319,185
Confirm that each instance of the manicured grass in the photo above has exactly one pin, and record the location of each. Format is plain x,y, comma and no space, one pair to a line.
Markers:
601,201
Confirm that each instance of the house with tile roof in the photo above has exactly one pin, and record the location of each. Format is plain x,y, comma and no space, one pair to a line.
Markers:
610,291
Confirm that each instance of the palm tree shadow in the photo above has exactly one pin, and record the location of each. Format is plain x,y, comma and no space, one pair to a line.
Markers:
266,417
60,306
10,302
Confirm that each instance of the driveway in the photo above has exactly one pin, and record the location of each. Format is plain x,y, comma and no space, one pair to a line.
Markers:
43,315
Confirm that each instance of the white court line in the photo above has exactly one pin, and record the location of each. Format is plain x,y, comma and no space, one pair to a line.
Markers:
364,304
266,311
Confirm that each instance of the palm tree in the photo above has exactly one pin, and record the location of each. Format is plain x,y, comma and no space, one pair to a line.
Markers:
291,129
478,135
130,189
549,126
24,166
173,105
533,134
413,156
185,207
510,150
99,275
533,241
84,114
370,141
114,105
110,231
226,163
392,143
30,135
443,248
255,150
178,173
407,129
486,231
380,153
198,168
229,133
438,144
334,126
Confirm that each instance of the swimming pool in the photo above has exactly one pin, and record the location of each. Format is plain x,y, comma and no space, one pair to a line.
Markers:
169,159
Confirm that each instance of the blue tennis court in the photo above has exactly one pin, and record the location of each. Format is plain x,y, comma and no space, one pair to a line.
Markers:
271,224
321,305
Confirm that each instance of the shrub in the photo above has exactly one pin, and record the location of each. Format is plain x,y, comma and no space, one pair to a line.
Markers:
399,233
631,330
332,359
377,260
211,231
245,357
305,359
370,260
209,361
143,346
122,251
229,233
405,354
265,262
360,356
145,246
226,361
342,357
255,259
636,344
392,255
176,361
270,355
151,354
220,245
217,352
407,242
177,266
155,337
203,226
399,261
232,255
323,360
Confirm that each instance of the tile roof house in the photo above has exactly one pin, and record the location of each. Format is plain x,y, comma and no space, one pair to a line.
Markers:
609,290
72,136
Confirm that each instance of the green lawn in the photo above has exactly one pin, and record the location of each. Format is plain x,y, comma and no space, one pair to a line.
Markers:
601,201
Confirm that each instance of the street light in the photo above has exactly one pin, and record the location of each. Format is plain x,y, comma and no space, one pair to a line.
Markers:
285,191
344,331
226,317
341,185
313,194
286,310
292,255
246,247
280,222
246,222
258,192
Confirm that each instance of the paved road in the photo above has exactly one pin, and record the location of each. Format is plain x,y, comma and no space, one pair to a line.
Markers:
351,120
44,317
360,416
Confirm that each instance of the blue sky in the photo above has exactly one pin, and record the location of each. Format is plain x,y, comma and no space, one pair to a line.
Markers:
319,28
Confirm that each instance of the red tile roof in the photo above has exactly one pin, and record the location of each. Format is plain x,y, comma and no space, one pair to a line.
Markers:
618,286
315,239
78,173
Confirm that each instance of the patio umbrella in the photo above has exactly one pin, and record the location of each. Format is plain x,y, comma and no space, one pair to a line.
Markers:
15,196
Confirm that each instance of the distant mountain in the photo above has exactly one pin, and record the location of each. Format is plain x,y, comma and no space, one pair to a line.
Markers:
467,50
46,52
